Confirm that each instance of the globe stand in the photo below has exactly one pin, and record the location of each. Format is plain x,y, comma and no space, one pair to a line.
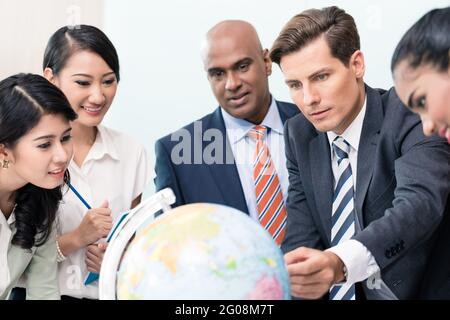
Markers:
144,212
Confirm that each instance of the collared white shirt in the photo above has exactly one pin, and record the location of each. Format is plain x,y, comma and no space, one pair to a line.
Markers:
359,261
116,169
243,148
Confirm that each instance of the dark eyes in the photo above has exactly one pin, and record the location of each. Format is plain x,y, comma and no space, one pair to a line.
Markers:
82,83
44,145
243,66
109,82
217,74
420,103
66,138
48,143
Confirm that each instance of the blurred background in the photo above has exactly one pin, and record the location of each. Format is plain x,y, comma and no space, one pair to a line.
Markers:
163,85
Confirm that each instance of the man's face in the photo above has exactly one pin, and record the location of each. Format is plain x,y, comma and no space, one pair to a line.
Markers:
426,91
327,92
238,71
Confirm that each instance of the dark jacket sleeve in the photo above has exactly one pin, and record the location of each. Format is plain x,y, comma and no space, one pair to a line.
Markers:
165,172
422,175
300,227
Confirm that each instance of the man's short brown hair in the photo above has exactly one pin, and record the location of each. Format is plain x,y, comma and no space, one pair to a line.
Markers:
337,26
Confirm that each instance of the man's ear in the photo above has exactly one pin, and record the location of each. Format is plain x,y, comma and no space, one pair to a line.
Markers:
267,62
48,74
357,64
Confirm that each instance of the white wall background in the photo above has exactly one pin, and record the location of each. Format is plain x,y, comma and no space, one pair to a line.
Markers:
26,26
163,83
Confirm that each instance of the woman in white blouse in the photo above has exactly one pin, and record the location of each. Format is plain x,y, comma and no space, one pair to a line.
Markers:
35,150
109,170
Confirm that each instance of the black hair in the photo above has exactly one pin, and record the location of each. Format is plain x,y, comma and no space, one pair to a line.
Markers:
70,39
426,42
24,99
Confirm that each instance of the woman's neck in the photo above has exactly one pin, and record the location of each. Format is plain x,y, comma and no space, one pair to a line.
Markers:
83,135
83,139
7,195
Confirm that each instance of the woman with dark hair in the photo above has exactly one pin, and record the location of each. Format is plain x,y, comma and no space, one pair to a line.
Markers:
421,70
35,150
109,169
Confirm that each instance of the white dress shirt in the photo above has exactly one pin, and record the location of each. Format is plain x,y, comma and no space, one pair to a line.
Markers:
116,169
358,260
243,148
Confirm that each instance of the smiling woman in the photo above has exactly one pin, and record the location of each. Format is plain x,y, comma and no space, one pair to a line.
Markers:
35,150
109,169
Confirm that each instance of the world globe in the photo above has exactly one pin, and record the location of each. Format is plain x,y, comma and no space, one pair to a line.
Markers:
203,251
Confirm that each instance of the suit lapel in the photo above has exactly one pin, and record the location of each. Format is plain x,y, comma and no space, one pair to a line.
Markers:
373,121
322,179
226,175
286,110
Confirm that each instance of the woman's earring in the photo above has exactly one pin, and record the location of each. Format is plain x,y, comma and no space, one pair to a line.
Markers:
5,164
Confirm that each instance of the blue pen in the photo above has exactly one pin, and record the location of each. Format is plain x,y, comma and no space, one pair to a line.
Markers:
92,276
79,196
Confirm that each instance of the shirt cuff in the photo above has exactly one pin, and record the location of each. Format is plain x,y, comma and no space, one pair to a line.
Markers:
358,260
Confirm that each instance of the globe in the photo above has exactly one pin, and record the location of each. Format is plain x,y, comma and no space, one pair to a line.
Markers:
203,251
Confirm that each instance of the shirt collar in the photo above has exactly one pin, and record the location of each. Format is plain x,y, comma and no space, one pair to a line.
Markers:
103,145
237,128
11,218
353,132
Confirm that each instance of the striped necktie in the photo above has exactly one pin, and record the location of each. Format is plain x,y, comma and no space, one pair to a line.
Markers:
269,197
343,213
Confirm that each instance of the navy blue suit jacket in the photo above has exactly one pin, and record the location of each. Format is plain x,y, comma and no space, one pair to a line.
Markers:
202,182
401,195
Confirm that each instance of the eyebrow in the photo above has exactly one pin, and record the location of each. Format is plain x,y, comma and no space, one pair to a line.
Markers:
247,60
235,65
291,81
316,73
212,70
51,136
311,76
89,76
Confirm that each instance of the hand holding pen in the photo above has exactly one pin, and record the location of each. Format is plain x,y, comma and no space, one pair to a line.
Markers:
96,223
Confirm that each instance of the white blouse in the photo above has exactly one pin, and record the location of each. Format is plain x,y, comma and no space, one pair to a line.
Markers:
116,169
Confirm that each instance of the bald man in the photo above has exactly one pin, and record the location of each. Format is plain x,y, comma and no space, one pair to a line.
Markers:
213,159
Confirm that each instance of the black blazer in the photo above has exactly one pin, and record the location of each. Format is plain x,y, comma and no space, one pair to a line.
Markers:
216,182
401,190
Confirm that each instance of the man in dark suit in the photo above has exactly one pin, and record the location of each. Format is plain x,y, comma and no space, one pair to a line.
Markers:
211,159
367,190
